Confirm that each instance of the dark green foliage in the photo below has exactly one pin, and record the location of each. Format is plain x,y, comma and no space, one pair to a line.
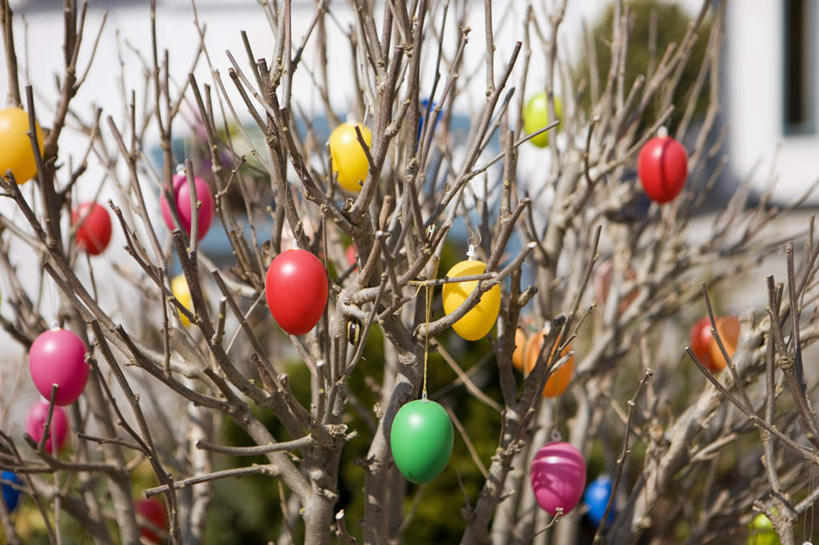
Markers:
672,21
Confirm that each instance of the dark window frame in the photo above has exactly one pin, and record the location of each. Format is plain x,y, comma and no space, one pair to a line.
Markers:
799,68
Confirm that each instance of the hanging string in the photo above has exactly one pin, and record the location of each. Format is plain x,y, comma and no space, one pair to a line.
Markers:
811,511
428,308
556,431
807,513
553,356
53,302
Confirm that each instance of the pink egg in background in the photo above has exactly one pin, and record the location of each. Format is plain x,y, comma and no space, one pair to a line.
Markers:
351,255
57,356
36,421
183,205
558,476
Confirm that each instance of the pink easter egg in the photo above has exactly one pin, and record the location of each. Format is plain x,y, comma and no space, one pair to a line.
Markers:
558,476
57,356
36,421
183,205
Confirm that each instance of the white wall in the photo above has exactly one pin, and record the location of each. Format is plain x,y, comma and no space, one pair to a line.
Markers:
753,100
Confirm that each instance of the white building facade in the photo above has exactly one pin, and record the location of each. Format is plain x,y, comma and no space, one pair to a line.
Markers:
770,94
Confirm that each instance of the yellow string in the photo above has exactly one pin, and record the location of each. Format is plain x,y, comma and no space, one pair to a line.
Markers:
426,337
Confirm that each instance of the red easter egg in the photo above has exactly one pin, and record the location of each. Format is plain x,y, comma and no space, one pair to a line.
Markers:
558,476
183,205
296,290
728,328
152,517
705,346
700,340
662,167
57,356
94,231
36,421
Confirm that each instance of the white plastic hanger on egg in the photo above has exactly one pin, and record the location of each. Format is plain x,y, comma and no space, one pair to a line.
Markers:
471,254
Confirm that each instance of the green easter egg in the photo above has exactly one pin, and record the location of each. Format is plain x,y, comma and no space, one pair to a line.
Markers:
761,531
536,116
421,440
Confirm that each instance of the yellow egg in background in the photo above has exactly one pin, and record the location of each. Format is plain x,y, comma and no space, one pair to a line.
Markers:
348,157
476,323
15,145
761,531
180,289
536,116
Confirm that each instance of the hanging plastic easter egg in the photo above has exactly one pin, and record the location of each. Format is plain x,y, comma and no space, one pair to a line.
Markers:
11,489
348,157
16,153
728,329
520,346
559,380
596,497
36,421
423,105
662,167
296,290
476,323
94,231
700,339
705,346
152,519
421,440
350,254
558,475
536,117
57,356
182,194
180,290
761,531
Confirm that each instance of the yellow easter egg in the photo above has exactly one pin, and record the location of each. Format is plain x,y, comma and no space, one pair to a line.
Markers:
15,145
180,289
476,323
536,117
348,157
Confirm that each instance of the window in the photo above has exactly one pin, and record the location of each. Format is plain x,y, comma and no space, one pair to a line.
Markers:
800,67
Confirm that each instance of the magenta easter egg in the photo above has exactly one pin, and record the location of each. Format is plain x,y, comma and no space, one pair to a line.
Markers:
558,477
36,421
182,195
57,356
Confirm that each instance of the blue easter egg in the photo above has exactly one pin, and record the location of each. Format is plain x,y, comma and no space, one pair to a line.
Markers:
596,498
11,495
